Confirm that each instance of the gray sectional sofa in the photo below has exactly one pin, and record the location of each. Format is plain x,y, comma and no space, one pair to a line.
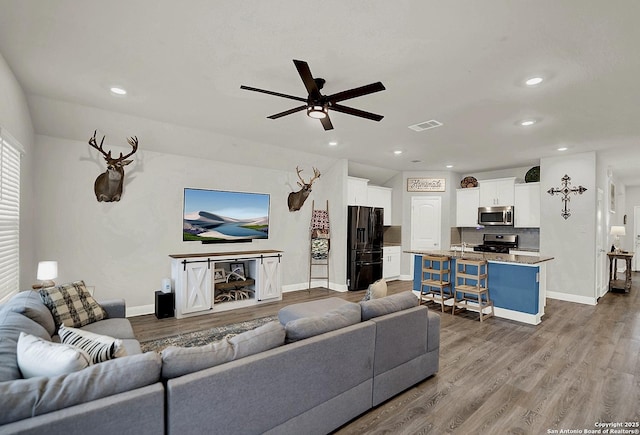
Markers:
315,384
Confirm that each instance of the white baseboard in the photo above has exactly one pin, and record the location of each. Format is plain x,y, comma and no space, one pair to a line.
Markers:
140,310
406,277
572,298
531,319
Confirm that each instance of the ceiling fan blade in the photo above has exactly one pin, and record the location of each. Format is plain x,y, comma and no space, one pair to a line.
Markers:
356,92
326,123
277,94
287,112
307,79
355,112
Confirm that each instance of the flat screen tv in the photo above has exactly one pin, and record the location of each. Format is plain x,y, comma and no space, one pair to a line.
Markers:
218,216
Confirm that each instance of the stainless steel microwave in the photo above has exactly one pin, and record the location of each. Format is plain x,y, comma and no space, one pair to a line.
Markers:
495,215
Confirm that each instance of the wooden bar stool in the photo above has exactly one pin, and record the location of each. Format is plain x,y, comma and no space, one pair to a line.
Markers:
471,289
435,279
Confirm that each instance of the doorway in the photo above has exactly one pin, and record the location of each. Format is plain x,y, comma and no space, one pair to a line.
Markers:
636,238
601,259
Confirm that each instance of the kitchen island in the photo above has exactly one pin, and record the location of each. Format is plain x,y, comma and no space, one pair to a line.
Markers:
517,283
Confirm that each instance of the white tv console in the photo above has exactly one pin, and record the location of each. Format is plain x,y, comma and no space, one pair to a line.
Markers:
196,292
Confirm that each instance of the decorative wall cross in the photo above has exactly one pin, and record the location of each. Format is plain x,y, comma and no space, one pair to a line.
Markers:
565,190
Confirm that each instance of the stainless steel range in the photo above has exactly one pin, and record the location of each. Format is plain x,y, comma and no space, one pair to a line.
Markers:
498,243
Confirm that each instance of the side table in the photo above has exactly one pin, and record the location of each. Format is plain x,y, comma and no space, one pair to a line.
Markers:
614,282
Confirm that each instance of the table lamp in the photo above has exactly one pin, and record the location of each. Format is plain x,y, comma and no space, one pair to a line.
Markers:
47,271
617,231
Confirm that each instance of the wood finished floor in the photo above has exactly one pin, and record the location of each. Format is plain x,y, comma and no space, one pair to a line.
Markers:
580,366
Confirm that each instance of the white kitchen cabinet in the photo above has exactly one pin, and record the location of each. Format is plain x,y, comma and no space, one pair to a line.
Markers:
497,192
391,262
197,291
378,196
527,205
357,191
467,203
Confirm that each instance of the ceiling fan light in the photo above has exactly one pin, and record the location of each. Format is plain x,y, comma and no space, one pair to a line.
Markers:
317,112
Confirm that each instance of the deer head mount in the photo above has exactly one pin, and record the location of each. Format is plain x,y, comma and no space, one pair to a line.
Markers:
297,199
108,185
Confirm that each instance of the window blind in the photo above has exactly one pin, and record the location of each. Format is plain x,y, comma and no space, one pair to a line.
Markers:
10,153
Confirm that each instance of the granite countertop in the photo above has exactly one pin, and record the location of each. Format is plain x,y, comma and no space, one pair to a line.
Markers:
489,256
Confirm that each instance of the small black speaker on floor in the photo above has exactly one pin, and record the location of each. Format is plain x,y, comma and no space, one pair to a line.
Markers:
165,304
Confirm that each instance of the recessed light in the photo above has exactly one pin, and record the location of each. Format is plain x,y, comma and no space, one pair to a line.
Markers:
449,166
118,90
527,122
397,152
562,149
333,143
534,81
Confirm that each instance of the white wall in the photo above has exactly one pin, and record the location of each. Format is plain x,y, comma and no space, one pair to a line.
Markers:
571,274
122,248
15,118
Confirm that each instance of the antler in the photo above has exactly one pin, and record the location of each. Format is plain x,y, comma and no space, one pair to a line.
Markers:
316,174
133,141
93,143
301,179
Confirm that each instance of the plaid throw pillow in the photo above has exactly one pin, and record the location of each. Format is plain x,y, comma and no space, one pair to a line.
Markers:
72,305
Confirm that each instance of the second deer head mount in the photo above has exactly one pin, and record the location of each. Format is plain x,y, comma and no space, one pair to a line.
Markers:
297,199
108,185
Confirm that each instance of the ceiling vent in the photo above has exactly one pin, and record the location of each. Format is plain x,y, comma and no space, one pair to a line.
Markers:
426,125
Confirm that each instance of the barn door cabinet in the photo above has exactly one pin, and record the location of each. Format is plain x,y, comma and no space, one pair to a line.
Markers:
202,287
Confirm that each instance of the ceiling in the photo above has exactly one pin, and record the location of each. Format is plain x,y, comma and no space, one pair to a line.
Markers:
462,63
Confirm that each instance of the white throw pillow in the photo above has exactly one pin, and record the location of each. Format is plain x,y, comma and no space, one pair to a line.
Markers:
38,357
376,290
99,347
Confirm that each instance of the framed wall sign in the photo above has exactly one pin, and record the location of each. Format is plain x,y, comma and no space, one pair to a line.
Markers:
425,184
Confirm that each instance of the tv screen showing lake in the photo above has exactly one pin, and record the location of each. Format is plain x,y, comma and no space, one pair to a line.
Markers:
216,215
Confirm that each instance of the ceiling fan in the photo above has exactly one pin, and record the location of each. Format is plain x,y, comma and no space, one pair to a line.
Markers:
318,105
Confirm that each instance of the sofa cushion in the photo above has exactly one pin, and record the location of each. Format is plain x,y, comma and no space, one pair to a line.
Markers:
11,325
178,361
389,304
118,328
100,348
257,340
38,357
376,290
337,318
72,304
310,309
26,398
29,304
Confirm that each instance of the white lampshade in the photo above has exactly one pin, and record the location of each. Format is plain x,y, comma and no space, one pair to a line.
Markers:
617,230
47,270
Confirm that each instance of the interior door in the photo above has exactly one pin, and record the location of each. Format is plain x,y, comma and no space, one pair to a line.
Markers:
425,223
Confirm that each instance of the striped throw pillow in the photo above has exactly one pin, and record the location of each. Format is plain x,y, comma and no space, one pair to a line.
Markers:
99,347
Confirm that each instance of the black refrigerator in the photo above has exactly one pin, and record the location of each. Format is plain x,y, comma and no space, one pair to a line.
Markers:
364,246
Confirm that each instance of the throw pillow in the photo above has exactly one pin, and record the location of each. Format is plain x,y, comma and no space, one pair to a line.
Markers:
306,327
72,305
38,357
376,290
388,305
99,347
